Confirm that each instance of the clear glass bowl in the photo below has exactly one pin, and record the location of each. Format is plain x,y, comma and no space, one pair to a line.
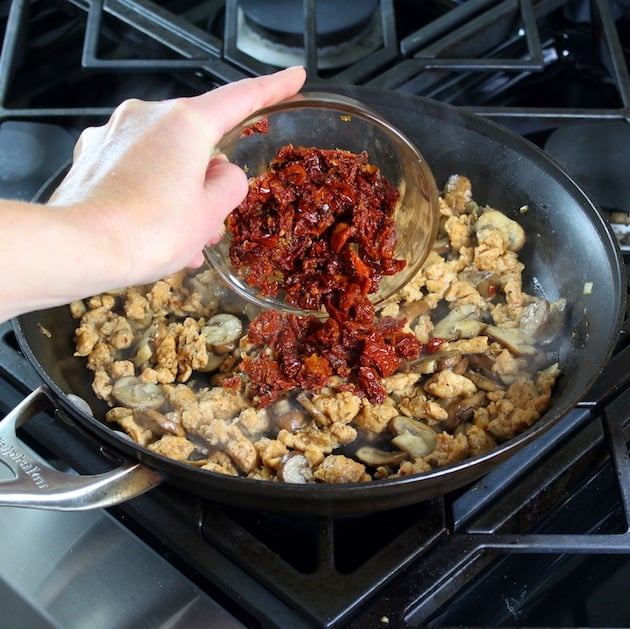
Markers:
330,121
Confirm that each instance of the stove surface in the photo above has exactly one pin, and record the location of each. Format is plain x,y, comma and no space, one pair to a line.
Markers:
541,541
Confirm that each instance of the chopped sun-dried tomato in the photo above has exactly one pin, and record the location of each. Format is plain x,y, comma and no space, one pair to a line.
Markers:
319,225
321,219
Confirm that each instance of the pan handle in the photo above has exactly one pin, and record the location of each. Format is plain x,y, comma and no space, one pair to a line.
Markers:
37,485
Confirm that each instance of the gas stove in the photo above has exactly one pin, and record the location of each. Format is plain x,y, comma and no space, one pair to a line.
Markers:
542,540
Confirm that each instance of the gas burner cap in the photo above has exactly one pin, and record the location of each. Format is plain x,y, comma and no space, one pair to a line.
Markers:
597,154
272,31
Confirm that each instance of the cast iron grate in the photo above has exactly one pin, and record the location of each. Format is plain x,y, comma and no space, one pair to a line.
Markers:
102,51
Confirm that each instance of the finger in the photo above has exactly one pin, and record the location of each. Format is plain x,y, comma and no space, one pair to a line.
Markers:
226,106
226,187
197,261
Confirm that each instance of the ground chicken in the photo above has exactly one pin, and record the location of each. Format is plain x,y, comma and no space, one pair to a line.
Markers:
467,392
173,447
337,468
447,384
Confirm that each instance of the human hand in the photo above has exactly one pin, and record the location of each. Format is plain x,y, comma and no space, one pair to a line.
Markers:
146,182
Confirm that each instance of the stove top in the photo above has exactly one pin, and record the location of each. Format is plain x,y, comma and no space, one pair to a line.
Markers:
541,541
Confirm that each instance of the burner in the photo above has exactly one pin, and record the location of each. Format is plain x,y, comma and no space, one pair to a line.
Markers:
596,153
30,152
274,32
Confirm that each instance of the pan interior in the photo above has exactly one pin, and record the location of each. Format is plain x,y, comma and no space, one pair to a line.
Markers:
570,253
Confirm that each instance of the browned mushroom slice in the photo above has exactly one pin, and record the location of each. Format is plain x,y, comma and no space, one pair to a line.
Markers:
144,351
287,416
411,310
554,324
132,392
484,382
485,282
513,339
295,468
430,363
312,410
461,410
413,437
512,234
534,316
223,332
461,322
157,423
375,456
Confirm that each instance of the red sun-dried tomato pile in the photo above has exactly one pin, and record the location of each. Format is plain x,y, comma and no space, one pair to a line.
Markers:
319,226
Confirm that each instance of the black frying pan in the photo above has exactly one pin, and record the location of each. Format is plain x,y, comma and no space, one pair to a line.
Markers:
569,247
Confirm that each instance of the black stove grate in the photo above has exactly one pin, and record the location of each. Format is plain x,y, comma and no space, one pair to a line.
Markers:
522,531
466,53
494,554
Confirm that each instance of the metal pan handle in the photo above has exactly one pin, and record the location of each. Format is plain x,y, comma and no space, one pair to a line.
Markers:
37,485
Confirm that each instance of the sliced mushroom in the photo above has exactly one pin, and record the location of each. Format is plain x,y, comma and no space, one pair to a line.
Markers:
375,456
483,362
430,363
461,322
312,410
413,437
295,468
534,317
461,410
144,351
554,324
287,417
516,341
415,446
512,233
483,382
223,332
485,282
157,423
132,392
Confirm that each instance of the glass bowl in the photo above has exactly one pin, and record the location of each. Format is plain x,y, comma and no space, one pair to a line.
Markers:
330,121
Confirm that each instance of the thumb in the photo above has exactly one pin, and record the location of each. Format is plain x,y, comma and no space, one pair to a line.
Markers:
226,187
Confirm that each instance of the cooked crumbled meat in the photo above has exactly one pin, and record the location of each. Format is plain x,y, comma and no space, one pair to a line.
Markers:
173,447
447,384
77,309
221,463
253,421
459,232
448,449
481,378
125,419
230,439
337,468
339,408
458,193
479,441
374,418
121,368
221,402
184,403
102,384
271,451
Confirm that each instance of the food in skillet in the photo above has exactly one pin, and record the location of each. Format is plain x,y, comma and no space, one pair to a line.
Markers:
167,358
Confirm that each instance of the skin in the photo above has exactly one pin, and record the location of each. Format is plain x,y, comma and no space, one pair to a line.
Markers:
141,200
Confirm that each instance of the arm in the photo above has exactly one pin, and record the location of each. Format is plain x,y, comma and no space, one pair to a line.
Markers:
140,201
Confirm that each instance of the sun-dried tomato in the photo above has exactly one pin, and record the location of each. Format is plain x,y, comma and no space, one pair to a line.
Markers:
319,226
316,212
260,126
